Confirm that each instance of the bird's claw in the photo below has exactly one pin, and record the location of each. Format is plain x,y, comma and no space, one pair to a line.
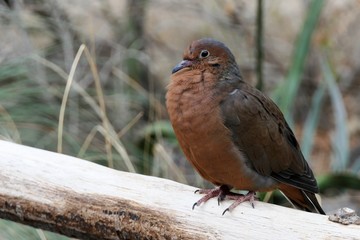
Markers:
250,196
226,210
210,193
222,193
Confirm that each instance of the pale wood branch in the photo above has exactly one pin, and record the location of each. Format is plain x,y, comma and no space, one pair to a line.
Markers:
80,199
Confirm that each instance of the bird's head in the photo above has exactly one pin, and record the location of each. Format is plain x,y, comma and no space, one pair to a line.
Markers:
206,54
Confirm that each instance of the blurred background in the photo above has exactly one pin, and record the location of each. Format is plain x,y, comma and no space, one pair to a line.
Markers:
88,79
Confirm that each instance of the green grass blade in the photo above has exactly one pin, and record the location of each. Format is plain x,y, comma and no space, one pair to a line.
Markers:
285,94
340,144
312,121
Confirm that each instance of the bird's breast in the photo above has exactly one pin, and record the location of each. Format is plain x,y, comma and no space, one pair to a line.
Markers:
194,110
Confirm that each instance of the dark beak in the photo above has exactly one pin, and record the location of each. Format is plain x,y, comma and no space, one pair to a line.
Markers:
181,65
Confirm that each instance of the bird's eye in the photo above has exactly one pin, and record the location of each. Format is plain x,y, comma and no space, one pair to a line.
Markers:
204,53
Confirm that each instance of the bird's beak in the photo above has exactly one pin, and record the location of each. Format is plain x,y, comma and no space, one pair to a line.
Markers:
181,65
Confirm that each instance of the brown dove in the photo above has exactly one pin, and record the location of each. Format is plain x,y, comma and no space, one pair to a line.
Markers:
234,135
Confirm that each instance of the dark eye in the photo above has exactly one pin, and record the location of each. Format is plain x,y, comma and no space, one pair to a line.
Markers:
204,53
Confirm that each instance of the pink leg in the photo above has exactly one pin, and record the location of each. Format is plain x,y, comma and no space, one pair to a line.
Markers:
219,192
223,192
250,196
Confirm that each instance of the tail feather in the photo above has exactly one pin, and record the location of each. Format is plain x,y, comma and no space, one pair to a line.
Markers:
301,199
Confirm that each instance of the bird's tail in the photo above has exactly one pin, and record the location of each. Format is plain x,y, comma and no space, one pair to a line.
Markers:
301,199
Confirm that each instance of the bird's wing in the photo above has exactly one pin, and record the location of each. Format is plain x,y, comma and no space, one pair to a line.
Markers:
260,131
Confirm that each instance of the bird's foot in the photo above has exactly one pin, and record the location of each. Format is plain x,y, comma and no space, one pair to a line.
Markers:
223,192
239,198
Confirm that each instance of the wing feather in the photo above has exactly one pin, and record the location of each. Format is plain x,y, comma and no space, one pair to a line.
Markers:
260,131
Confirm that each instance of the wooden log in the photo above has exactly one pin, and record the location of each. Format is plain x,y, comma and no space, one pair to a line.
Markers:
81,199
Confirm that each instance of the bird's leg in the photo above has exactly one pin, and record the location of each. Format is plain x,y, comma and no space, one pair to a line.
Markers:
239,198
221,193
